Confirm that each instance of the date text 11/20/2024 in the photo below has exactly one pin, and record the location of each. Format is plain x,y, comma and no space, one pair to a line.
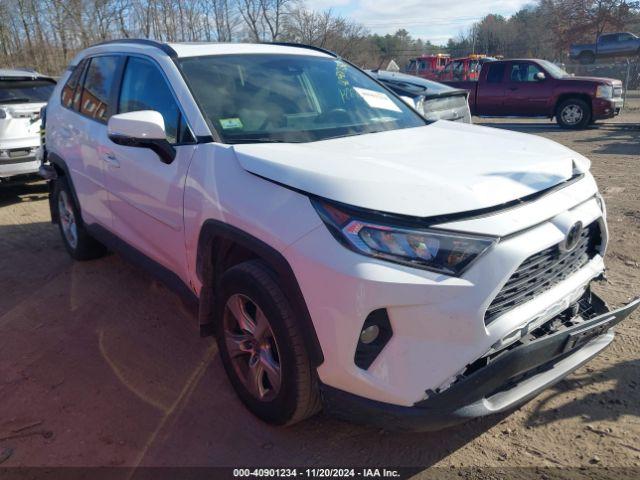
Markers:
317,473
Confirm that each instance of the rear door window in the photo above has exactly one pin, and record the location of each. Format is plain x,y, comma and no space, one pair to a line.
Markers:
608,39
95,98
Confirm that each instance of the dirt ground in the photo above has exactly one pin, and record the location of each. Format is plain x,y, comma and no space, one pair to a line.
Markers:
100,365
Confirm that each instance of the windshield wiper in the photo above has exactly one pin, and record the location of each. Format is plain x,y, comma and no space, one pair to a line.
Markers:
16,100
254,140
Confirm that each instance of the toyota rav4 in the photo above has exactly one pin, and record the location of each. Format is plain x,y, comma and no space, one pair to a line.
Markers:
345,252
23,93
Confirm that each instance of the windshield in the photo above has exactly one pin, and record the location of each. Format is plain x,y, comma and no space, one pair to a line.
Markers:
291,98
554,70
25,91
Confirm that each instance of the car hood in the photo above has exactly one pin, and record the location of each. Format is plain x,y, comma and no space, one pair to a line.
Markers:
441,168
594,79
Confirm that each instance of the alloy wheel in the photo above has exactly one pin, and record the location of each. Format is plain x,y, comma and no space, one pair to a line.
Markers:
67,219
252,347
572,114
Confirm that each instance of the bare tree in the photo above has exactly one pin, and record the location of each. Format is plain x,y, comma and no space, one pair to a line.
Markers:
251,13
225,18
273,12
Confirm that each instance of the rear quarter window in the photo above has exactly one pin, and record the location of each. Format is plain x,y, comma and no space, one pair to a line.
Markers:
495,73
69,89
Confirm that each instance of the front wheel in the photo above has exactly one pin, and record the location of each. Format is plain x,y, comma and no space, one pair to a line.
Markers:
261,346
573,113
77,241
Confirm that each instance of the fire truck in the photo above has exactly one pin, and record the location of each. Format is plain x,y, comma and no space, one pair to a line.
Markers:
428,66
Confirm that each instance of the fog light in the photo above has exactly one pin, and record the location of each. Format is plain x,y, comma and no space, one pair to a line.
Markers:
375,334
369,334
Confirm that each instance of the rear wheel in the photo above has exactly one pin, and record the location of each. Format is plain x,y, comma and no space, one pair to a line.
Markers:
573,113
77,241
261,347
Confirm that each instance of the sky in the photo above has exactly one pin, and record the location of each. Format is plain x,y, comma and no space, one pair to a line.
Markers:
434,20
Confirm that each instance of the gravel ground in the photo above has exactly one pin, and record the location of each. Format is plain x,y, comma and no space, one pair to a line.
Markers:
100,365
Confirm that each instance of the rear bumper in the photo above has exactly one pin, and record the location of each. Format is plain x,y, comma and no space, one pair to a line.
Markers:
22,166
510,379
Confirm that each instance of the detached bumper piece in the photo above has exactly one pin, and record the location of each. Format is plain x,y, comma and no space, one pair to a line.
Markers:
500,381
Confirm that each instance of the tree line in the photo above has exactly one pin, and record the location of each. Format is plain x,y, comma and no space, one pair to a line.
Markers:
45,34
547,29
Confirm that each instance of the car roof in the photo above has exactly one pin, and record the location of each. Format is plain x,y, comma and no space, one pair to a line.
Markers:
20,73
201,49
197,49
411,80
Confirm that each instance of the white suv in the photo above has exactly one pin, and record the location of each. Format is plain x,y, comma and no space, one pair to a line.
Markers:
344,251
23,93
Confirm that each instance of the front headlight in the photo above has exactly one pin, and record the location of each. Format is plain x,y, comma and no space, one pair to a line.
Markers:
604,91
426,248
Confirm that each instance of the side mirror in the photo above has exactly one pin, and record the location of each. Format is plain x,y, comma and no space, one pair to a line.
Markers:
539,76
142,129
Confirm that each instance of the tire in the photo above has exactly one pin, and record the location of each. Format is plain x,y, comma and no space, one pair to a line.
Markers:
573,113
249,292
77,241
587,58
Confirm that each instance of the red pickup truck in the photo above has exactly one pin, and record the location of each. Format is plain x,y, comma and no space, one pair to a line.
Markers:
539,88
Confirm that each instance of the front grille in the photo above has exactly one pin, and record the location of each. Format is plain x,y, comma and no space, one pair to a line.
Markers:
543,270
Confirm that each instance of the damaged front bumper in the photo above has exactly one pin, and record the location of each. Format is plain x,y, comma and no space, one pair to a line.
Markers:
500,381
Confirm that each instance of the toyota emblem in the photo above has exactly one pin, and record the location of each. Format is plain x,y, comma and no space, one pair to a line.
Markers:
573,237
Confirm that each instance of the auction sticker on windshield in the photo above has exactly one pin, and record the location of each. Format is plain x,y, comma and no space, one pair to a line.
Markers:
378,100
229,123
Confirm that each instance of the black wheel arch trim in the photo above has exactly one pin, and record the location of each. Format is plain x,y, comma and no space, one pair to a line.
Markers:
213,231
58,162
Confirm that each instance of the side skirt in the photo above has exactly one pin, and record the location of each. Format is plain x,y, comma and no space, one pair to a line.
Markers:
139,259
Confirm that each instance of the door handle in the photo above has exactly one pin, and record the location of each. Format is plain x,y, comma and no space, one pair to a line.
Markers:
111,160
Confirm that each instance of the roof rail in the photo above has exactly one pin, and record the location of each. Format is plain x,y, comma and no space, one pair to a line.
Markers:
143,41
303,45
